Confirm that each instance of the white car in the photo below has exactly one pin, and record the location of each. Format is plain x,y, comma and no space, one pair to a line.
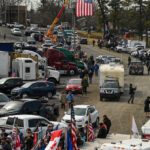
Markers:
28,121
141,53
81,115
16,31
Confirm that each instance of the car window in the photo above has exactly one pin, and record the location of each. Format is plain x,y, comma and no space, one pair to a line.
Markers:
28,106
11,121
33,123
43,122
18,81
34,85
42,84
4,98
10,82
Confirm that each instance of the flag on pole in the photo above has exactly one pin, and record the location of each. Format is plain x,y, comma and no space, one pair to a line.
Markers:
69,144
84,8
55,138
134,128
73,130
91,135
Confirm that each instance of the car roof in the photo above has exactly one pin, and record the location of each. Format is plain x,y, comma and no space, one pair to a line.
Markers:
24,117
25,100
75,79
11,78
37,82
81,106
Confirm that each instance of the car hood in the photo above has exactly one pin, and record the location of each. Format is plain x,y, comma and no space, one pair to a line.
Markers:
73,86
68,117
4,112
18,89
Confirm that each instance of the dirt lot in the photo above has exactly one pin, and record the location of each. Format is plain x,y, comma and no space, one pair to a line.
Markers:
118,112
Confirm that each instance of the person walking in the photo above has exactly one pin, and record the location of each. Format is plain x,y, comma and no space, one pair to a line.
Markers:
96,68
93,43
132,93
4,36
63,100
85,84
90,76
70,98
107,122
146,107
129,60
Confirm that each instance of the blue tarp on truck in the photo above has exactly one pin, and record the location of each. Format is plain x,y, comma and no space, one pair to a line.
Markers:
8,47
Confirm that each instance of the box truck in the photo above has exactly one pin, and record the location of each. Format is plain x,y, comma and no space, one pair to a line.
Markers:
111,80
131,144
4,64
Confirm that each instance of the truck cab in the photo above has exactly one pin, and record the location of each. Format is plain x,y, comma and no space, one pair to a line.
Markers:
110,89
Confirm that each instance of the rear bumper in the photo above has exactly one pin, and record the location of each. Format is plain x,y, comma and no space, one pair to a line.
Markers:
74,90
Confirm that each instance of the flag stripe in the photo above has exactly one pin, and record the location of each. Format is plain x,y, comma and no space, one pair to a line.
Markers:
84,8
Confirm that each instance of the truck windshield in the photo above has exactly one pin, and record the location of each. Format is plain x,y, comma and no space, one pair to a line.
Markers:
78,111
110,85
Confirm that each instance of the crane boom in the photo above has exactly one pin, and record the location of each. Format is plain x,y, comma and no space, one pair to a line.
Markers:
49,33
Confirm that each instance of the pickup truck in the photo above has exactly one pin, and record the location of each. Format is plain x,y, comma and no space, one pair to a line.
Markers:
28,121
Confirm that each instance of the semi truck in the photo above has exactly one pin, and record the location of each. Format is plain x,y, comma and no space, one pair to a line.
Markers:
111,81
57,59
4,64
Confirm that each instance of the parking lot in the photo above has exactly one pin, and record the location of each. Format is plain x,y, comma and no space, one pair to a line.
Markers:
119,112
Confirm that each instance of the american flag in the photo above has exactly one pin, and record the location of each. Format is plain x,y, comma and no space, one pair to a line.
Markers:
91,135
84,8
73,130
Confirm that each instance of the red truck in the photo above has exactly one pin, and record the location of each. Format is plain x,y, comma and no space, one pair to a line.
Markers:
57,59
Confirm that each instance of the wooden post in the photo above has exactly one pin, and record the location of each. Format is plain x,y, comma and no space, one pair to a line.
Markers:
131,118
66,147
88,126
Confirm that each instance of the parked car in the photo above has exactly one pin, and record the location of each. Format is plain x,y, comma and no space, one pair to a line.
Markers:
110,89
23,106
81,115
84,41
31,40
101,59
136,67
16,31
139,53
28,121
74,85
35,89
7,84
20,26
3,100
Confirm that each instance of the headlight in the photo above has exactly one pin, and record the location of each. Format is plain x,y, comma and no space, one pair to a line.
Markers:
80,87
116,91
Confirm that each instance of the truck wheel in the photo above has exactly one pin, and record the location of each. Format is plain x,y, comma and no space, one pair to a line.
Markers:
72,72
52,80
49,94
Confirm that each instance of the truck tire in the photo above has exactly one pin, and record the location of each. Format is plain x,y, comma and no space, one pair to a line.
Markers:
52,80
49,94
72,72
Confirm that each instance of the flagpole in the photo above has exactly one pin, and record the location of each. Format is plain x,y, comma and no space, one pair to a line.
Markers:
88,126
131,118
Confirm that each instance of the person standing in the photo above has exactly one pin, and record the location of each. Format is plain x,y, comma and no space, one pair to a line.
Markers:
132,93
146,107
85,84
70,98
4,36
96,68
63,100
107,122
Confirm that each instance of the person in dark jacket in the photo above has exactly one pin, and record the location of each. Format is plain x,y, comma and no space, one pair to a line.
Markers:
102,133
132,93
107,122
82,74
146,107
129,60
90,76
6,144
84,84
96,68
29,141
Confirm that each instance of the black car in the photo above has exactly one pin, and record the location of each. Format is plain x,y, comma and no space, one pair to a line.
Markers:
7,84
23,106
3,100
83,41
136,67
